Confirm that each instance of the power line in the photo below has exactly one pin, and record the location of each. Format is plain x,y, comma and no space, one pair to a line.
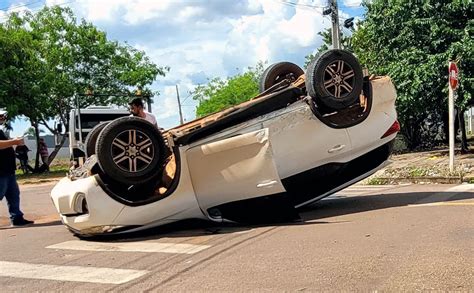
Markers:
351,6
300,4
190,95
9,8
5,17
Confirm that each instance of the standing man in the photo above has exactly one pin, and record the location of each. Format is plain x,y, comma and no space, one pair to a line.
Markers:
137,109
43,150
8,185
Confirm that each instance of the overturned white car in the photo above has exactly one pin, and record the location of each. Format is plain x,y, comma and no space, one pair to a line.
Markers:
306,136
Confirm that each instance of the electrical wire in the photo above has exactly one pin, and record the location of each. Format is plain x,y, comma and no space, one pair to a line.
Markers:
190,95
301,6
6,16
9,8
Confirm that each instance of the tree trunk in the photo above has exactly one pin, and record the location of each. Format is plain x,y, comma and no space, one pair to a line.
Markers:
462,127
411,131
37,137
57,148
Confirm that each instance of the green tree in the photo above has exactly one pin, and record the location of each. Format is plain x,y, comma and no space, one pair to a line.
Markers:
346,43
412,41
47,58
219,93
32,132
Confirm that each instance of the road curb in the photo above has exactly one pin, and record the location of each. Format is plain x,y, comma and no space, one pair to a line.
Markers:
419,180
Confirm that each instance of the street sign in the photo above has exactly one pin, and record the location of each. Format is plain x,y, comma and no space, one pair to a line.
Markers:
453,76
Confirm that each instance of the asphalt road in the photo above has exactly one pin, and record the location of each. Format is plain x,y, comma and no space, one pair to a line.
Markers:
410,237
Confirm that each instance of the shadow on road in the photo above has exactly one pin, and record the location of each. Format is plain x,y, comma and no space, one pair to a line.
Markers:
45,224
311,215
358,204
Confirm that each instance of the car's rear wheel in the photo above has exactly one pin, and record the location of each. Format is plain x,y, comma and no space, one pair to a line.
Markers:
131,150
334,79
92,136
278,72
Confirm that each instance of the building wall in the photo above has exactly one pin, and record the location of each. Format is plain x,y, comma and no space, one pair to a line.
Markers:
469,117
63,153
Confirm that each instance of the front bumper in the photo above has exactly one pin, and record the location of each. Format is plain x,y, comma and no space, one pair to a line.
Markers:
84,207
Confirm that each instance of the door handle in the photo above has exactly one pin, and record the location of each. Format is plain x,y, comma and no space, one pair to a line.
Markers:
337,148
266,184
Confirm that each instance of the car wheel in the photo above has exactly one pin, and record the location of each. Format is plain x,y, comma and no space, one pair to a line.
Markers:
334,79
131,150
92,136
278,72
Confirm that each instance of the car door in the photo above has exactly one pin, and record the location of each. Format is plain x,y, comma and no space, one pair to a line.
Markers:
302,142
235,168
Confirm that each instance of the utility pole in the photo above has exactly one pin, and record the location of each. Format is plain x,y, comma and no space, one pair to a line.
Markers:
336,44
179,105
148,102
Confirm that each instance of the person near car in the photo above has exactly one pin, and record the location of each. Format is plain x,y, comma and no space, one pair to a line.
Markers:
43,150
137,109
8,185
4,125
22,155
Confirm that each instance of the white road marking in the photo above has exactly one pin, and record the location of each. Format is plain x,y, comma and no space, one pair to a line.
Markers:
442,198
137,246
359,190
433,204
68,273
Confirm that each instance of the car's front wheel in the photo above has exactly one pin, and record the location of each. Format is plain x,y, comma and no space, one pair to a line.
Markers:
334,79
131,150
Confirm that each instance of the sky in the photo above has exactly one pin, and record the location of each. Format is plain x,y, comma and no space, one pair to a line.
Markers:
201,39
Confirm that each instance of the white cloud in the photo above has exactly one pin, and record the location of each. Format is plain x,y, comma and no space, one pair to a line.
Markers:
201,40
206,39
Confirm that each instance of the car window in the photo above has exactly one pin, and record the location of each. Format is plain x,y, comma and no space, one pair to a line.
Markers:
88,121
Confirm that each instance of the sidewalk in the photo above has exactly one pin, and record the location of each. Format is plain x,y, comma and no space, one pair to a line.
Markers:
425,167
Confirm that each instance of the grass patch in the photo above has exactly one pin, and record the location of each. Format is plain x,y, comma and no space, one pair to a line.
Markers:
377,181
424,171
57,170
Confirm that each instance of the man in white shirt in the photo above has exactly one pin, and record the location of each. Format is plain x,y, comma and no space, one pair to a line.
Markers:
137,109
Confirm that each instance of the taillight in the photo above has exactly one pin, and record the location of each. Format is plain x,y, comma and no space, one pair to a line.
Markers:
393,129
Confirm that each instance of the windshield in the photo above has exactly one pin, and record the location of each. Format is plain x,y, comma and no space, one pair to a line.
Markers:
88,121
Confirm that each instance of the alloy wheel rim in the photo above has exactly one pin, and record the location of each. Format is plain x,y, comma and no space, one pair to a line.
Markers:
132,151
339,79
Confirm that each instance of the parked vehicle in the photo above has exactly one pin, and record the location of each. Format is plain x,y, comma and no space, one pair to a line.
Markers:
81,123
303,138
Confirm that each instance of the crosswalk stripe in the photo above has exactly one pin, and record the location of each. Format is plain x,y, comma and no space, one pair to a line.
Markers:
135,246
445,198
443,204
68,273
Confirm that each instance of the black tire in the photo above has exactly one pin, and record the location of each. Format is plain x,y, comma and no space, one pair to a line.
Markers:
131,150
334,79
277,72
92,136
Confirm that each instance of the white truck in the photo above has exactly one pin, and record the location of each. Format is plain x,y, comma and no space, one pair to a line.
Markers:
81,122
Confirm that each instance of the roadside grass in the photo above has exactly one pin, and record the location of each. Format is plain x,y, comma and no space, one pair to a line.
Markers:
433,173
57,169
